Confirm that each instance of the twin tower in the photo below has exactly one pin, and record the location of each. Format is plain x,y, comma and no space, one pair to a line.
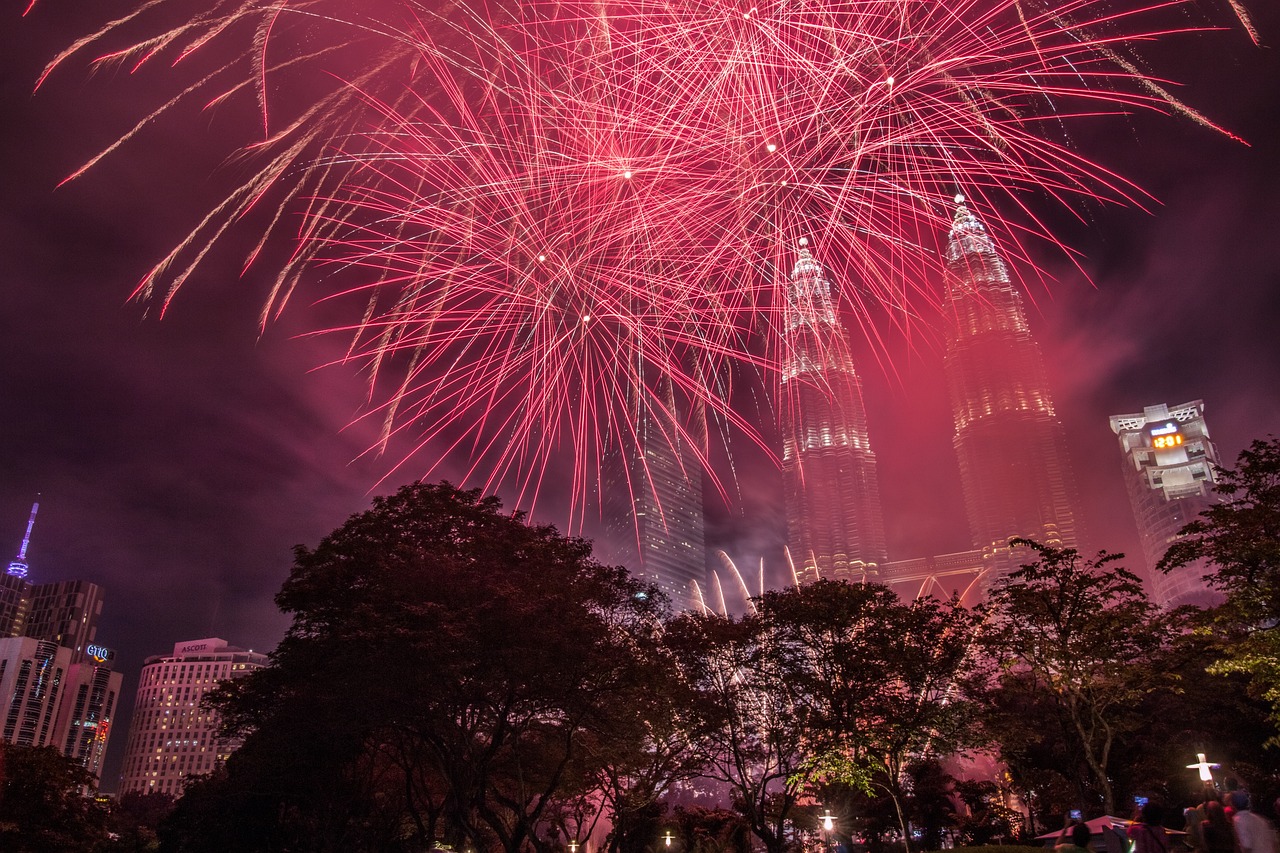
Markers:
1008,440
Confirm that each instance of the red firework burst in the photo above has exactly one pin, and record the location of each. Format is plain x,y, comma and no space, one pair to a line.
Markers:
563,218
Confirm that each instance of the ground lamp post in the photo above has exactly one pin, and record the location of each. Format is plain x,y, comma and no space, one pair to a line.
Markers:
828,824
666,839
1206,773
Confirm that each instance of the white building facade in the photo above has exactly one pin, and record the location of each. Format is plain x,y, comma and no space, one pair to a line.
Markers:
1170,467
33,675
172,737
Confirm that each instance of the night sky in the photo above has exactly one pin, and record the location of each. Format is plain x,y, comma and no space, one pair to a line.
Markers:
180,460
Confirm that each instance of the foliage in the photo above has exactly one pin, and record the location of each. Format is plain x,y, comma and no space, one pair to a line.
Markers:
1240,537
41,807
929,803
987,819
135,820
878,679
756,732
452,674
1076,643
831,684
703,830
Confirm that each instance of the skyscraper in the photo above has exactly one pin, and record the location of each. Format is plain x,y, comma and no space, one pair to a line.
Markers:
654,497
172,737
1014,469
87,708
1169,471
835,526
67,613
32,677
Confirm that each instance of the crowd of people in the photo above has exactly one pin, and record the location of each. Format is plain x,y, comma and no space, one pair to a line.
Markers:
1219,824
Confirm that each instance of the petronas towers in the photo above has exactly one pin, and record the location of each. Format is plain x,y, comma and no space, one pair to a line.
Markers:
1008,441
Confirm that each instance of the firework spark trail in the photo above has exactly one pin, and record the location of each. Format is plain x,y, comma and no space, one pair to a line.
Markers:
560,218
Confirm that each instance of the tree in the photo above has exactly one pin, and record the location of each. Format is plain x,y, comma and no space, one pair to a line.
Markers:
1240,536
41,807
829,684
451,674
757,734
1074,642
135,821
879,681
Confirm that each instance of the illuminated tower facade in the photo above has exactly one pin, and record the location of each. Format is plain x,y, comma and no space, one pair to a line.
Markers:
15,587
1169,469
835,525
654,498
172,737
1011,447
87,709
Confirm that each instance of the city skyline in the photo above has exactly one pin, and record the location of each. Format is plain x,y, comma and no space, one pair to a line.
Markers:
180,460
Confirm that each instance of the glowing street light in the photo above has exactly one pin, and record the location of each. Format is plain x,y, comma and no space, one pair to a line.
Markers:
573,846
828,824
1205,768
666,839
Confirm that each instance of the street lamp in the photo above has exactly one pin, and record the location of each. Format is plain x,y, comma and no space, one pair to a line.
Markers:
1205,769
828,824
666,839
573,846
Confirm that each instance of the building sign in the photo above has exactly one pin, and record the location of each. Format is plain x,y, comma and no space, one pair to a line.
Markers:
1166,437
100,654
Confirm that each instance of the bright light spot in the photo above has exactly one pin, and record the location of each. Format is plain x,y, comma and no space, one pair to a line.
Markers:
890,80
784,183
541,258
627,174
771,148
804,241
959,198
586,318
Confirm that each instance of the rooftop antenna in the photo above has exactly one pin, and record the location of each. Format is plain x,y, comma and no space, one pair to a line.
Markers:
18,568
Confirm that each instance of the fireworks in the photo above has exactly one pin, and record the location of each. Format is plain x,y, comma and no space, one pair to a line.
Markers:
556,217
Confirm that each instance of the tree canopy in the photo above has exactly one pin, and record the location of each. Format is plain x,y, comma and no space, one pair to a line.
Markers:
1240,536
1073,640
451,672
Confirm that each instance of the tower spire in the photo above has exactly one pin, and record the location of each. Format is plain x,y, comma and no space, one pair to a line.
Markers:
18,567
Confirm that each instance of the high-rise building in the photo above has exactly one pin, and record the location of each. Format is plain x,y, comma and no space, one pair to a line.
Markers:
15,598
172,737
654,496
835,525
57,687
67,613
32,678
87,708
1169,469
1011,447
